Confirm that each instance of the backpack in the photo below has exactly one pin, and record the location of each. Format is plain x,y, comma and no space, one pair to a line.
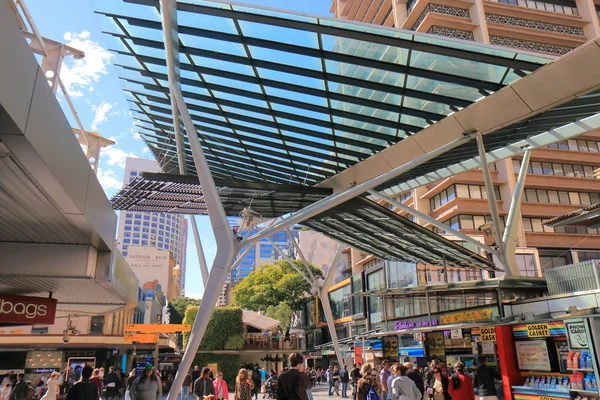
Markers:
256,375
372,394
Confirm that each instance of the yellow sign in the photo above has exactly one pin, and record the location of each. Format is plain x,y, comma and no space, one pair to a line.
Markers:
140,337
538,330
158,328
390,347
467,316
435,343
488,334
551,398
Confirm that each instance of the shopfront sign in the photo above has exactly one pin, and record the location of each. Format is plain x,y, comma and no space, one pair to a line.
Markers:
358,355
456,334
538,330
435,344
27,310
390,347
488,334
532,355
485,314
551,329
577,335
400,325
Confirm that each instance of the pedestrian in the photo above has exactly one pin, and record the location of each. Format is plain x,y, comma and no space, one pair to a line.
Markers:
329,380
415,377
221,390
294,384
147,386
20,388
186,386
403,388
203,386
243,385
96,380
195,374
442,366
354,377
368,382
53,387
344,380
256,380
113,384
485,380
383,377
83,389
461,385
336,380
437,388
429,377
128,382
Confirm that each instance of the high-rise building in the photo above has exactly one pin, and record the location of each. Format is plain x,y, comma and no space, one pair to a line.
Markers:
560,177
159,230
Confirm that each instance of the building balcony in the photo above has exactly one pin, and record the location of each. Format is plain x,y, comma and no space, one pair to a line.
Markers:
260,342
544,209
565,156
568,183
562,240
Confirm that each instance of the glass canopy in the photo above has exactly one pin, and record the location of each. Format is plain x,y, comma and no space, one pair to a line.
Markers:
284,98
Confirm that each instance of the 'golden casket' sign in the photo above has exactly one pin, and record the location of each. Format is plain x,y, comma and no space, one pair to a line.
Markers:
488,334
538,330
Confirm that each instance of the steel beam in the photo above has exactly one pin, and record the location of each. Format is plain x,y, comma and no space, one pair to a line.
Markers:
509,240
227,246
491,194
199,250
324,294
297,247
311,282
349,193
433,222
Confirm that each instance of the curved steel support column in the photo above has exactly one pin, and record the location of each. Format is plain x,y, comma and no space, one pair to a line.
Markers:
199,250
509,241
324,294
227,246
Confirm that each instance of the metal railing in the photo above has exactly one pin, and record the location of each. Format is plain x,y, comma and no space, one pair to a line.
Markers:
571,278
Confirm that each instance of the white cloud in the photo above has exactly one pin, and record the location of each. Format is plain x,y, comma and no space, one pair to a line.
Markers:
80,74
145,150
100,112
116,156
108,180
137,136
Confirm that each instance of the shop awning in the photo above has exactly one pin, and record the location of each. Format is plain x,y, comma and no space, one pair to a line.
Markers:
588,217
259,321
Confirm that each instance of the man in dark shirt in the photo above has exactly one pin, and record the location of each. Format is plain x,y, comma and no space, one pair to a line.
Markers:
20,390
345,379
415,377
195,374
485,380
293,383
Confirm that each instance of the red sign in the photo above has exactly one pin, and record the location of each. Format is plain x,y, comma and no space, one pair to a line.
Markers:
358,355
26,310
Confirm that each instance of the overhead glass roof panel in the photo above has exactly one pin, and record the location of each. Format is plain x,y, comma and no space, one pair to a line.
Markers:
275,86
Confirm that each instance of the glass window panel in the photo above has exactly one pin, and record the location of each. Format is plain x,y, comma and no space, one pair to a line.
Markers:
531,195
478,220
585,199
547,168
594,198
537,167
592,146
574,198
568,169
527,227
553,196
462,191
557,169
543,196
578,169
466,222
475,191
588,171
456,66
516,164
451,193
536,223
572,144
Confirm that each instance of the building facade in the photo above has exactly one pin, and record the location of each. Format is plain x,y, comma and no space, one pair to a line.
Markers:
158,230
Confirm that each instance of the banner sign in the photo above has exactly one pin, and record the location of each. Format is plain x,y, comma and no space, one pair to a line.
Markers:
158,328
468,316
488,334
390,347
577,335
551,329
27,310
532,355
435,344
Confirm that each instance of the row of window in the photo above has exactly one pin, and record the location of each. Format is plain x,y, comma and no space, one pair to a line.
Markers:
559,6
557,169
561,197
154,217
167,228
537,225
589,146
467,221
461,191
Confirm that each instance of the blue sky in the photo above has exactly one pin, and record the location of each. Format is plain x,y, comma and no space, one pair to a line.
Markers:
95,90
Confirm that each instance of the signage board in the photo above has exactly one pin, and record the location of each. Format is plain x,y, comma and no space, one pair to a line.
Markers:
550,329
158,328
358,355
485,314
577,335
140,337
487,334
435,344
487,348
27,310
456,334
390,347
151,266
532,355
538,330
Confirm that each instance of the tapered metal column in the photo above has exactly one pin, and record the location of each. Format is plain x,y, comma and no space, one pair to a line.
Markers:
327,306
509,241
491,194
313,283
200,251
355,190
297,247
433,221
227,246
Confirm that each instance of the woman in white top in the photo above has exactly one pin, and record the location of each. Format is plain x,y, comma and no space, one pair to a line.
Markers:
53,387
5,391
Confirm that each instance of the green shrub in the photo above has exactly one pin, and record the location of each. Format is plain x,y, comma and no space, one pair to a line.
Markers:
225,323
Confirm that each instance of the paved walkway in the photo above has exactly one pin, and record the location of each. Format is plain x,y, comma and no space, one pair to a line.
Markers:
319,393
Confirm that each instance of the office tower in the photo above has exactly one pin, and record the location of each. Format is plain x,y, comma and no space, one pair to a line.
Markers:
163,231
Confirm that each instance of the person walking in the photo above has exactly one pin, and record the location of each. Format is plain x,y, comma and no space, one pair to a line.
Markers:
195,374
368,381
329,379
403,388
485,380
243,386
336,381
84,389
203,386
461,386
186,386
383,377
128,382
294,384
53,387
415,377
221,390
256,380
96,380
147,386
20,388
437,387
344,379
354,377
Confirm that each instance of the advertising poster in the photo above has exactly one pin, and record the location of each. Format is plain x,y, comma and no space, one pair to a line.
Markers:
77,363
533,355
390,347
151,266
577,335
435,344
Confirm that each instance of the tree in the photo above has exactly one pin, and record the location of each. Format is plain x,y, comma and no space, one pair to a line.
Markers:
225,331
282,313
272,285
177,308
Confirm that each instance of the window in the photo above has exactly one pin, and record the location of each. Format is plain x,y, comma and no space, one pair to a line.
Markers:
561,197
138,216
340,302
462,191
39,330
556,169
97,325
527,265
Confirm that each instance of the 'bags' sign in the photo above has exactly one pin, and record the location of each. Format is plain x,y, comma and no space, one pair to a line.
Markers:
26,310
